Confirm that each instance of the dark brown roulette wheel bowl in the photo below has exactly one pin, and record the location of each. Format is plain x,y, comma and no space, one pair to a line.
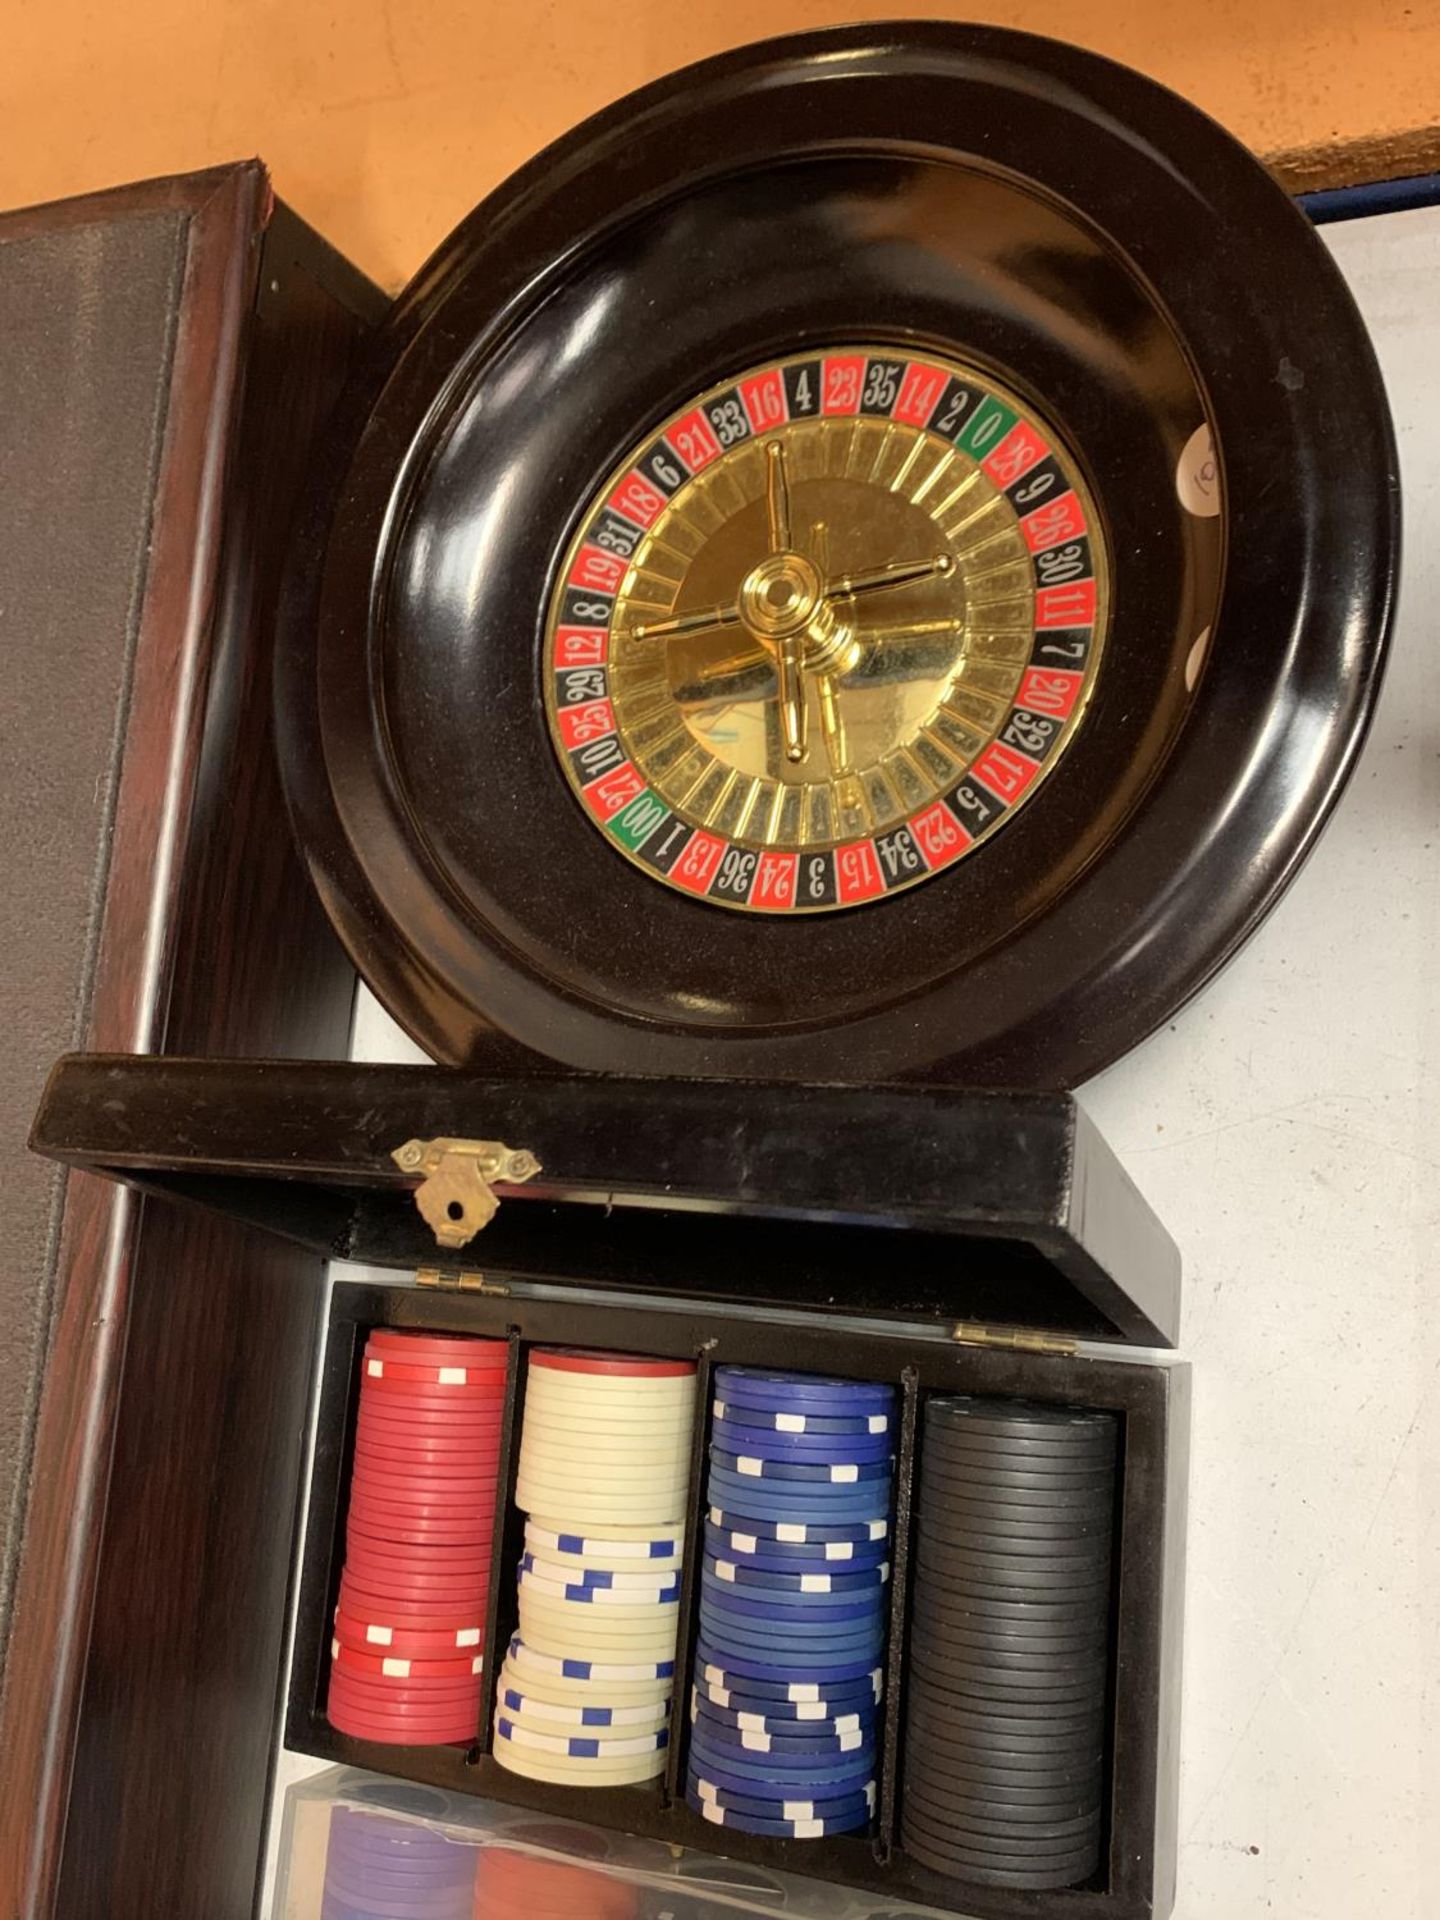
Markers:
944,878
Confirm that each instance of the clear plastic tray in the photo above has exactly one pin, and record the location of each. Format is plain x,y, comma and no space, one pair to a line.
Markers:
634,1879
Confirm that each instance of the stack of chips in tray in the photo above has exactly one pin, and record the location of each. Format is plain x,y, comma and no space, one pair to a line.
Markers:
378,1868
410,1627
604,1476
793,1606
511,1885
1008,1667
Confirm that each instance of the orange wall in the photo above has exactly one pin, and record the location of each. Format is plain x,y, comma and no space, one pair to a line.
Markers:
383,120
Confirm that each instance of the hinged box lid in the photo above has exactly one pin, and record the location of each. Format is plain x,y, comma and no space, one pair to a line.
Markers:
908,1202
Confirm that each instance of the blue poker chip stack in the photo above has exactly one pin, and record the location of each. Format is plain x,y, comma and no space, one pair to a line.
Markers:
381,1868
794,1597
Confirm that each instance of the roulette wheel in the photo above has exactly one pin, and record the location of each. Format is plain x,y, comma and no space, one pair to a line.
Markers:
871,557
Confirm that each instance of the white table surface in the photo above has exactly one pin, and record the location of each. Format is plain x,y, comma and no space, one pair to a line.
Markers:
1286,1127
1287,1130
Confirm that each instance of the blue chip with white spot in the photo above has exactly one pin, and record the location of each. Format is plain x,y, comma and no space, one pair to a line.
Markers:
783,1716
768,1806
784,1421
813,1502
798,1776
765,1493
801,1531
815,1448
755,1467
750,1740
826,1612
795,1628
776,1420
800,1392
808,1581
798,1657
772,1829
793,1556
770,1696
762,1777
819,1670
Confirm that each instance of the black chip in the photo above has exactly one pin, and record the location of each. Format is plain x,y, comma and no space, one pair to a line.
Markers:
1062,1578
1009,1652
976,1801
980,1690
985,1688
1005,1604
998,1477
1067,1662
1085,1521
1093,1530
1015,1416
971,1825
1020,1623
1085,1443
1097,1495
980,1802
1005,1832
1069,1720
1070,1852
1059,1864
1063,1736
945,1635
963,1737
1063,1639
1024,1765
965,1594
1033,1879
1084,1550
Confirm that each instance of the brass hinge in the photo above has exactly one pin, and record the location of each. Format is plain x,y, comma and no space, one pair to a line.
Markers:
459,1282
455,1195
968,1333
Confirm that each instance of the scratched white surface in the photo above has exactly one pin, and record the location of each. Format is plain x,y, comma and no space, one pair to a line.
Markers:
1287,1130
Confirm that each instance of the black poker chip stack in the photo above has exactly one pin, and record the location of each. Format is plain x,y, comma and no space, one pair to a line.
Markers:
1009,1643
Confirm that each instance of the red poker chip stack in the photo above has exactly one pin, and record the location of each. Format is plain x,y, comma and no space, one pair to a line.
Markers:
410,1627
522,1886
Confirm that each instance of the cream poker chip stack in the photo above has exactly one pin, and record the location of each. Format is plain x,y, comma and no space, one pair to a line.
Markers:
605,1450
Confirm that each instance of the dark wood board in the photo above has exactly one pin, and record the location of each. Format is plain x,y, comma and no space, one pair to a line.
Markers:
220,213
138,1724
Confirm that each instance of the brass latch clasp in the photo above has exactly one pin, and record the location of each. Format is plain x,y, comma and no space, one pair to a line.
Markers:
455,1195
